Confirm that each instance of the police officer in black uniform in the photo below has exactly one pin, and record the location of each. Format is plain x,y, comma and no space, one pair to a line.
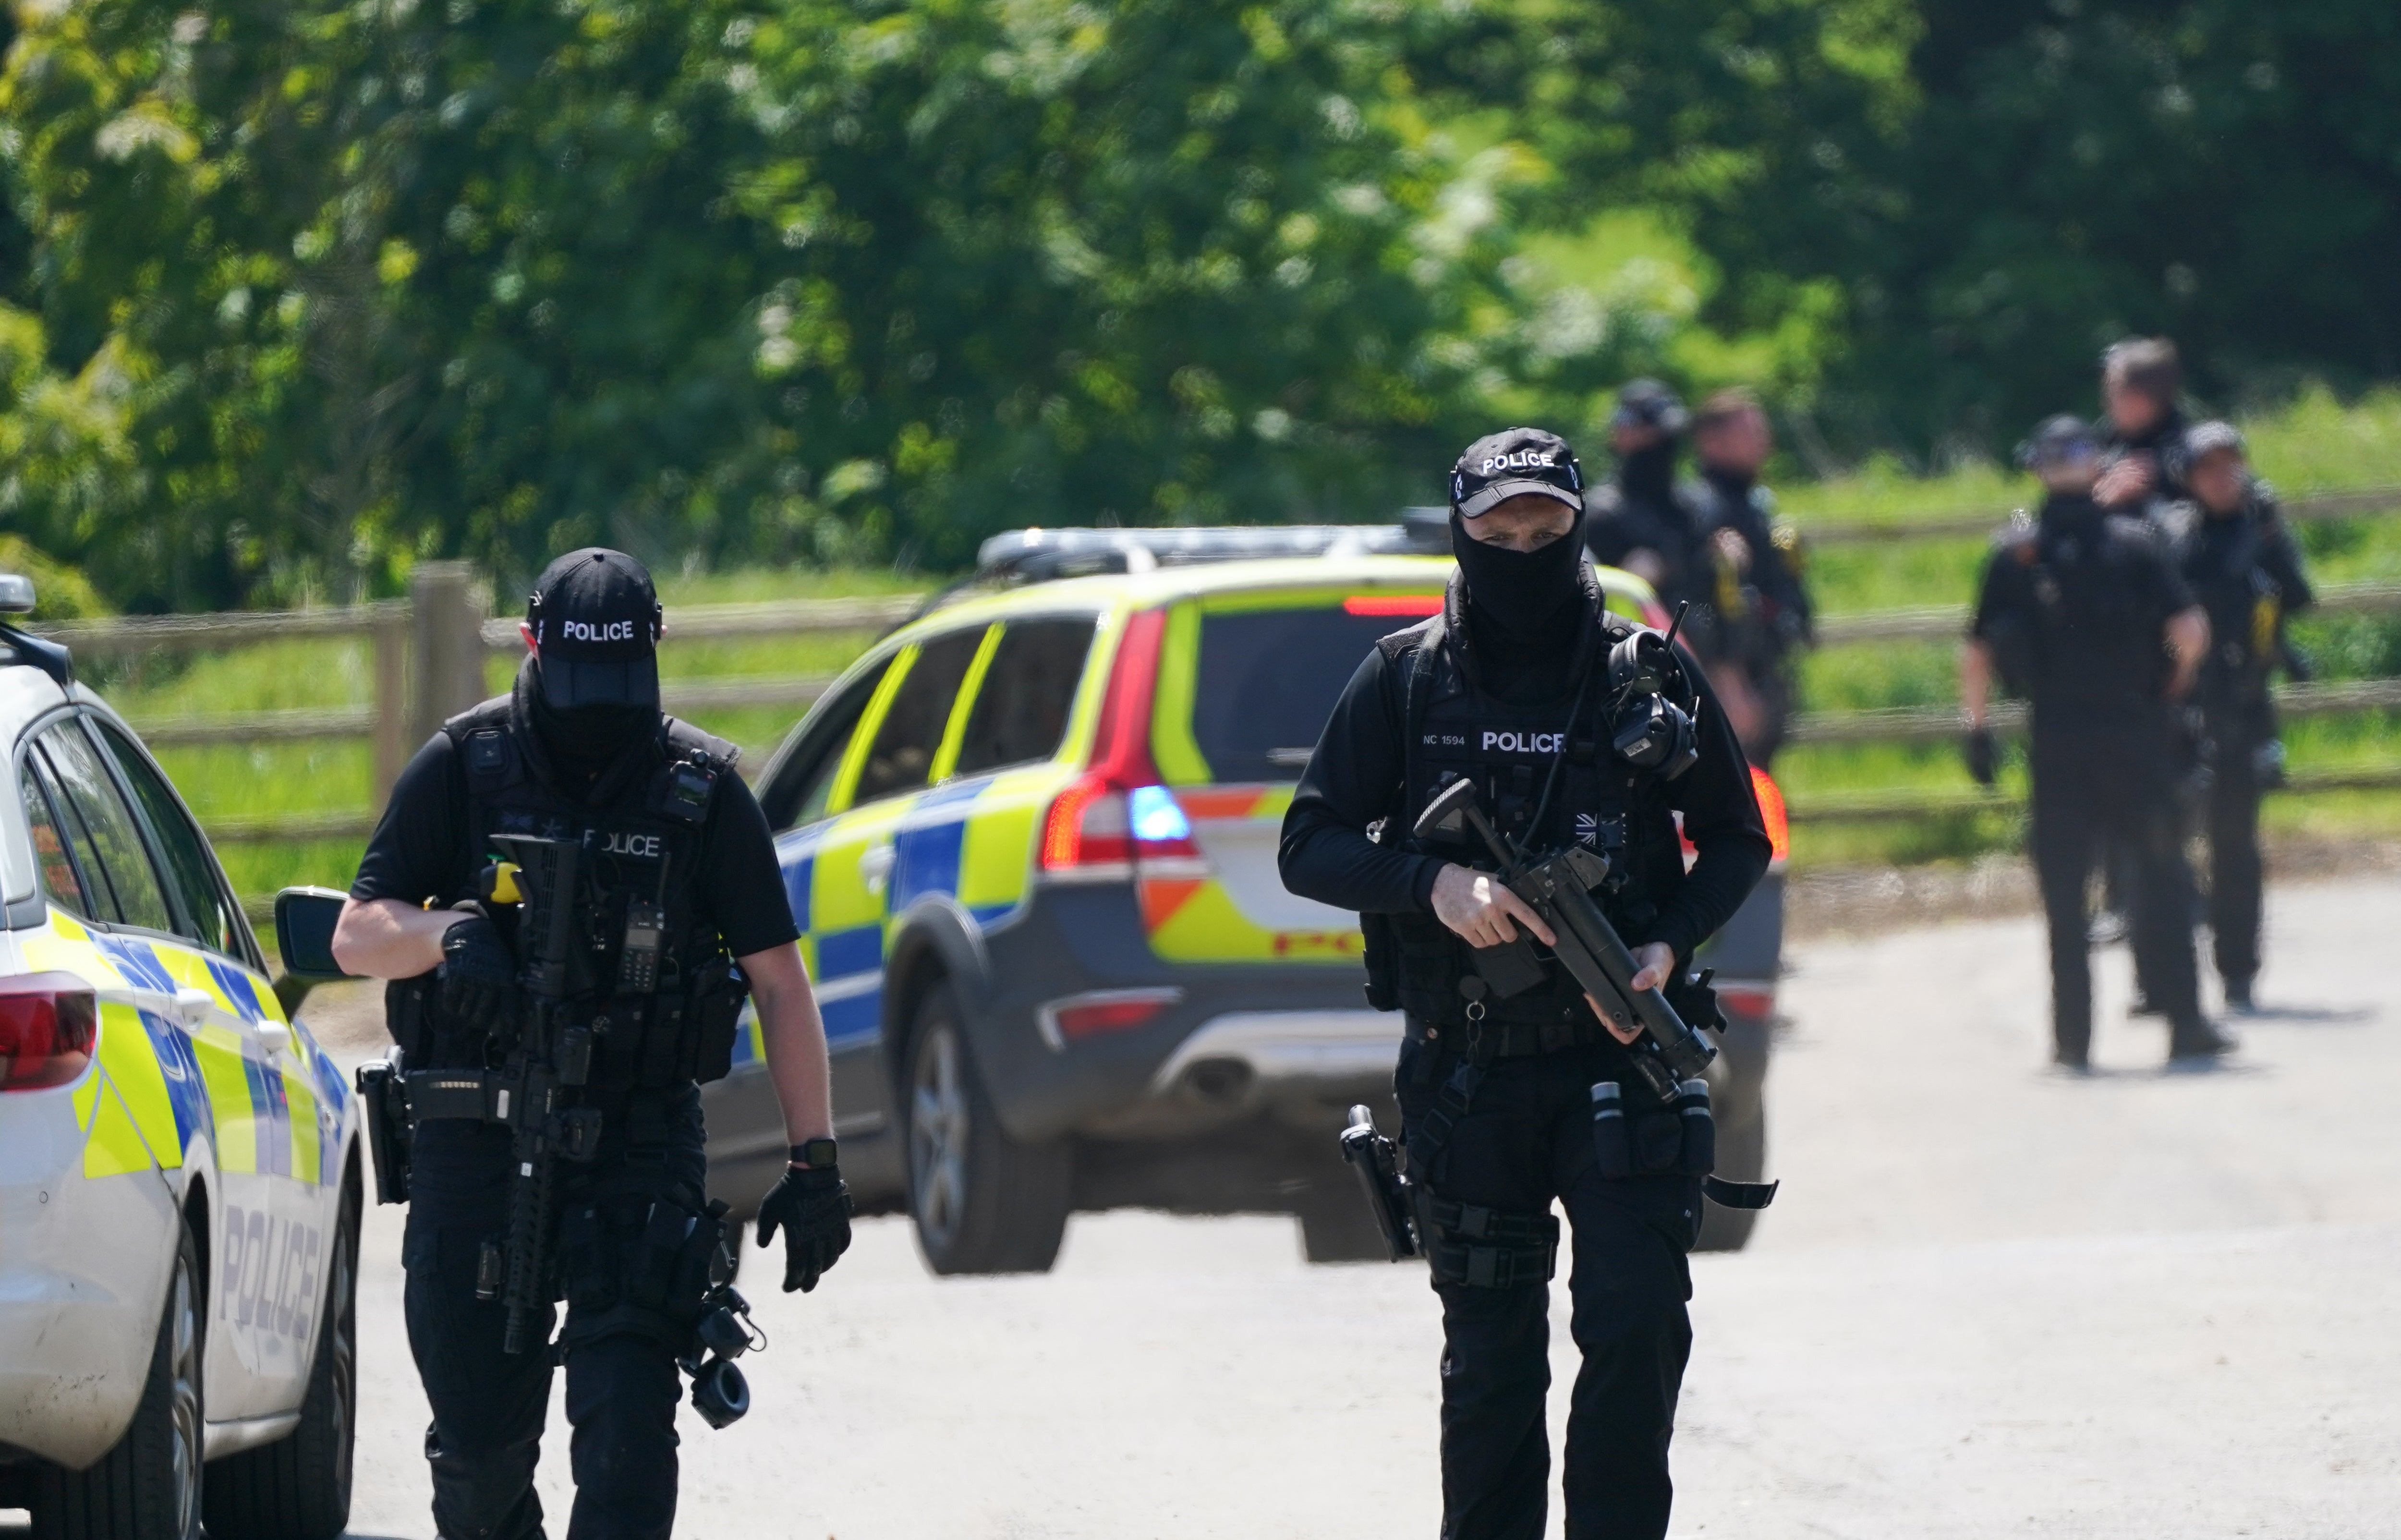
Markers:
2141,378
2240,557
1751,618
2083,612
680,876
1642,521
1509,685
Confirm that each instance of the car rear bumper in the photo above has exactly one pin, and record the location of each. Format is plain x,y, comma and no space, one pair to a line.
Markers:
83,1271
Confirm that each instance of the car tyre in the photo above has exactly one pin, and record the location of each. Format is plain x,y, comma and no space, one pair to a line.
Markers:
148,1487
982,1201
1742,1155
298,1488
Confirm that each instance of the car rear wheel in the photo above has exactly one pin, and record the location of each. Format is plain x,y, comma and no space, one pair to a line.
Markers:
1742,1155
148,1487
982,1201
298,1488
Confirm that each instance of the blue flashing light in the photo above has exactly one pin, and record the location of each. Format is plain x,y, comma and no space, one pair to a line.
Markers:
1158,818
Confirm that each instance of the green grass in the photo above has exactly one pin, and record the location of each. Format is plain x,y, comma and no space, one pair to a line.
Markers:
2317,444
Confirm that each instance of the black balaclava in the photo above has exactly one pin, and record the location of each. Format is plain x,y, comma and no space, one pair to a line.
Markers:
581,741
1525,607
1649,474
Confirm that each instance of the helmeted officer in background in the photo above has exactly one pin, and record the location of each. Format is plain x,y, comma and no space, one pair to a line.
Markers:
1512,685
681,868
2141,379
2234,549
1750,617
1643,520
2083,613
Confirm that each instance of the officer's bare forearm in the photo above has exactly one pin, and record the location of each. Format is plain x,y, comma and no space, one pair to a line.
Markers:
793,1035
2189,640
1975,680
386,938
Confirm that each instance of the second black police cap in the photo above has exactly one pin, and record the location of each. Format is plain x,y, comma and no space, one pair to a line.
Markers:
596,620
1649,403
2056,441
1515,462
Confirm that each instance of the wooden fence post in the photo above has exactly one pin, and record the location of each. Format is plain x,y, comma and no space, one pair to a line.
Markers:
448,622
392,743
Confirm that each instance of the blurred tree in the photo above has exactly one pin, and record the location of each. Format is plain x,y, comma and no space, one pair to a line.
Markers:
721,280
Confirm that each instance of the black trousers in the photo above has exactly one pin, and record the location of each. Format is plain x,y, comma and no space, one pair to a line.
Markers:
2092,794
488,1406
2236,871
1525,1140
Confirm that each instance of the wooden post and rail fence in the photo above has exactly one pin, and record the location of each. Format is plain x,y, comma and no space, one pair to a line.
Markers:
429,652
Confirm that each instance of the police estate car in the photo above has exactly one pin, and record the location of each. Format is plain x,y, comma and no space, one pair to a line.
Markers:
179,1179
1030,841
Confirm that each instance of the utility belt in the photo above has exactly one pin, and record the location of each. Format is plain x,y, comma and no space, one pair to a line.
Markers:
1487,1040
657,1039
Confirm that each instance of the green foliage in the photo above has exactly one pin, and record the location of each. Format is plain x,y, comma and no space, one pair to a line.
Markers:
724,280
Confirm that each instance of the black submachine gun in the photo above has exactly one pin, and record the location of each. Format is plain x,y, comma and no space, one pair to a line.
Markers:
548,1059
1559,887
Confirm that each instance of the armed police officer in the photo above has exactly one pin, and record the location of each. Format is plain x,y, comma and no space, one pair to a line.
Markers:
1513,687
2141,378
677,912
1750,614
1643,520
2240,557
2082,612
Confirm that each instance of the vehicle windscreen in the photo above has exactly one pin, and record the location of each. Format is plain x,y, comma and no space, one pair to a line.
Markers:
1267,680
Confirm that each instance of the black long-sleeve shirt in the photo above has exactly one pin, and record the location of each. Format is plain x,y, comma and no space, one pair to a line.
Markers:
1354,778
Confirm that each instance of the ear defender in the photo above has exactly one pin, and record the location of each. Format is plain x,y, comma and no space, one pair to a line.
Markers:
1647,729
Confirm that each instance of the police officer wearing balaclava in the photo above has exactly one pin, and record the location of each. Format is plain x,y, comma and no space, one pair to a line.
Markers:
680,913
1511,685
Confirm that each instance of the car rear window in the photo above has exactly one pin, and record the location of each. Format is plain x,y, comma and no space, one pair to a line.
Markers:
1021,714
1269,679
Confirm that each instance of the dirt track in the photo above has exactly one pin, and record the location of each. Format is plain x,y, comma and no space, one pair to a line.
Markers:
1989,1302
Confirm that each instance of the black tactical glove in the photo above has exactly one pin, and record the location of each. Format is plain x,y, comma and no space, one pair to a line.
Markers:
812,1207
1984,759
478,974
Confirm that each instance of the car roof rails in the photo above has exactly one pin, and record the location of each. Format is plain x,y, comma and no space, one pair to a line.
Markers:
1039,556
16,599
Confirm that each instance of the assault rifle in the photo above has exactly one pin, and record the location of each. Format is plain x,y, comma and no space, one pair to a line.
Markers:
548,1057
1558,887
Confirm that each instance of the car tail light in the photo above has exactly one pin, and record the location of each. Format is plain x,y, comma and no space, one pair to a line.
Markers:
1393,604
1770,811
1101,1012
1088,836
48,1024
1751,1002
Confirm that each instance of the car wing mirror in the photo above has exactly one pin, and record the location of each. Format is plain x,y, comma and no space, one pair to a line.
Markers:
304,918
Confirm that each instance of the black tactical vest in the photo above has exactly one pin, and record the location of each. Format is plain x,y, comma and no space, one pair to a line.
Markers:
1453,728
648,973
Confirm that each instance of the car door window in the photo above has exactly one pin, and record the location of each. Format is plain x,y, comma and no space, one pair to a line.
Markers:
110,834
213,919
1019,715
803,784
901,756
59,883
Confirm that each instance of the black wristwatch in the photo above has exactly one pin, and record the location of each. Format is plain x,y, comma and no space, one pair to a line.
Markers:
817,1154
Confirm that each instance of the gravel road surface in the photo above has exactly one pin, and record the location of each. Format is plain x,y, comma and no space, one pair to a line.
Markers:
1990,1302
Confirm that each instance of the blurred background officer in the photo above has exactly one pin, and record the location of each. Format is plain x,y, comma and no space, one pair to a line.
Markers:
579,750
1641,522
1750,618
1511,685
2140,381
2240,557
2081,612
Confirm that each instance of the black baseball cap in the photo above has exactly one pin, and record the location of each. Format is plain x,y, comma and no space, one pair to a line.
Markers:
2058,440
1515,462
596,620
1648,403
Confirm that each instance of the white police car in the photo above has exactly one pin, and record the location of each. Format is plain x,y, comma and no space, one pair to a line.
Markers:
179,1175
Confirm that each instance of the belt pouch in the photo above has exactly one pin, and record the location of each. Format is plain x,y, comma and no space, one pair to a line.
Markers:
1612,1154
1700,1141
1658,1138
